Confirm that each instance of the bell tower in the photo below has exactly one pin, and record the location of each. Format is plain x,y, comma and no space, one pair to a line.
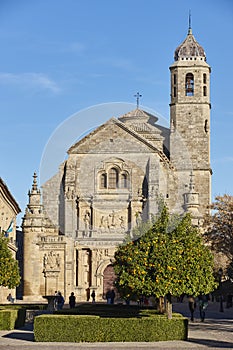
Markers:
190,116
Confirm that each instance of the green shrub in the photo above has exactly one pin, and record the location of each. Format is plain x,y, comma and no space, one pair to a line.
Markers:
23,306
81,328
7,319
10,319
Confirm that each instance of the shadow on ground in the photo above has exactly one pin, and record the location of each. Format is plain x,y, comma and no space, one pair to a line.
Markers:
212,343
25,333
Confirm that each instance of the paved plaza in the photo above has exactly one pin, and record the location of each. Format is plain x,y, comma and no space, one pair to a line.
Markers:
215,333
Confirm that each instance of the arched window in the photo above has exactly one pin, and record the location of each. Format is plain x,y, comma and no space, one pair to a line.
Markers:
124,181
103,181
112,178
189,84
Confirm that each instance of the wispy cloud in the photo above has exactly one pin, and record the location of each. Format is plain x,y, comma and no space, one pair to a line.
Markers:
30,80
116,62
151,80
57,47
226,159
122,63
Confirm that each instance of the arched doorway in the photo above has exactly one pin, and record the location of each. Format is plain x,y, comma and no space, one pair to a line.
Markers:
109,278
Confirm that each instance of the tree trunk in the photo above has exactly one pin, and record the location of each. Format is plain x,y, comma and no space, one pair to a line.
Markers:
161,305
169,306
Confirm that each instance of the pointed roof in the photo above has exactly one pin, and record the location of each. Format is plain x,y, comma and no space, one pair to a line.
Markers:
34,189
189,49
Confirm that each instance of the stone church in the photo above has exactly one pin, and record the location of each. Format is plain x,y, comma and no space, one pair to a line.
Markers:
112,179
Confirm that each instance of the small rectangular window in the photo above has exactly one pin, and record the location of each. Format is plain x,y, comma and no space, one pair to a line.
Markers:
174,92
204,78
174,79
204,91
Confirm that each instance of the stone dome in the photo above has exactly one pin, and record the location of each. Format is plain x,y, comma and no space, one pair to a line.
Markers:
137,115
189,49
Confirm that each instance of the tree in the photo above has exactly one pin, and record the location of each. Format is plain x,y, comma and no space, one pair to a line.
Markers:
9,270
219,225
139,230
167,260
143,226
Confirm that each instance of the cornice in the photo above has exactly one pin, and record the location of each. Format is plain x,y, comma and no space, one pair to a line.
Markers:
7,196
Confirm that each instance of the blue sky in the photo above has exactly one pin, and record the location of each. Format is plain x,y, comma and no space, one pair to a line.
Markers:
60,57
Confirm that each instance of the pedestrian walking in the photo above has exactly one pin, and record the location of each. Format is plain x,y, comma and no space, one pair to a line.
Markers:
93,296
203,303
192,306
108,296
55,299
60,301
112,296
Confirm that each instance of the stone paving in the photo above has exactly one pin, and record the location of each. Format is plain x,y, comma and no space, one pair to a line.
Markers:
215,333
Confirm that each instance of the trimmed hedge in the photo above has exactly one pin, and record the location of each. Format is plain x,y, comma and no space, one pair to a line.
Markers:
13,315
10,319
82,328
23,306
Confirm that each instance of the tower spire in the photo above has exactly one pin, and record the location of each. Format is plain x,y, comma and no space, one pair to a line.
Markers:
34,185
190,26
34,189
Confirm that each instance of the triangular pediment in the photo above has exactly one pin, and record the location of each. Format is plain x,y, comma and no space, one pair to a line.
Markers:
115,136
111,130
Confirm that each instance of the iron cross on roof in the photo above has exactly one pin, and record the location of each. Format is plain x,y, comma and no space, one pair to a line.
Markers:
138,97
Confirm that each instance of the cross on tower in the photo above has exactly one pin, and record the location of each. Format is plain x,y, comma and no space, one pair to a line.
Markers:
190,27
138,97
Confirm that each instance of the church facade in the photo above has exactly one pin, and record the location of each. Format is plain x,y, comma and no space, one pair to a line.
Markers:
112,179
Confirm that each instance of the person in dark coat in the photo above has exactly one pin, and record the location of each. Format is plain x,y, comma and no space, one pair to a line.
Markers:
93,296
112,296
108,296
72,300
203,303
60,301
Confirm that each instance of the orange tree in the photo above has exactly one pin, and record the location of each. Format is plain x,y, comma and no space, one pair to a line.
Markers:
9,270
169,259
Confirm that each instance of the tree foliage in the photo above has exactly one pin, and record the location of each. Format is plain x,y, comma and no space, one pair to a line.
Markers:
9,270
219,225
166,260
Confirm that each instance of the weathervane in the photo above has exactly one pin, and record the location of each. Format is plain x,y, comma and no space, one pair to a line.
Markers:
138,97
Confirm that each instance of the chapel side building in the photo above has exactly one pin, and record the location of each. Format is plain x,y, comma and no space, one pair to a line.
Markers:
9,210
112,179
